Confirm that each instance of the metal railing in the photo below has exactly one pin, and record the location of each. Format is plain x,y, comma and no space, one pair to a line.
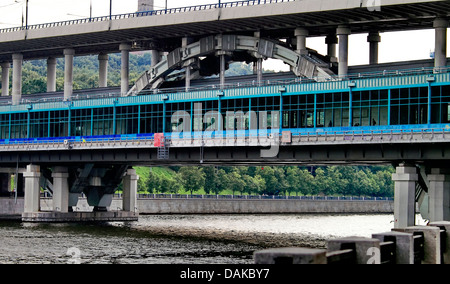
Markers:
144,14
258,197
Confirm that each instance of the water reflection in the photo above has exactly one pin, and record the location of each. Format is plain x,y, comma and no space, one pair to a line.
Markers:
170,239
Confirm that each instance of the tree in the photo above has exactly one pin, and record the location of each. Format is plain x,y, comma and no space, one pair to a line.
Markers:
211,180
192,178
153,183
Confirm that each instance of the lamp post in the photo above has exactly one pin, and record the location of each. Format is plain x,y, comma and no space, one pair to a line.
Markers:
110,9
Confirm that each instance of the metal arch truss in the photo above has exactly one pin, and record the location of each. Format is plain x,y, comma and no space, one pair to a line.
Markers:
303,65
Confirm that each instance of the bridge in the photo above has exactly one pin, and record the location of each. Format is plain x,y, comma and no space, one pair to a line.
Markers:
322,112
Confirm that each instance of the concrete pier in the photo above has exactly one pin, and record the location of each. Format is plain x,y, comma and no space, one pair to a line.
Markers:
125,68
405,180
103,70
68,73
343,32
51,74
17,78
6,66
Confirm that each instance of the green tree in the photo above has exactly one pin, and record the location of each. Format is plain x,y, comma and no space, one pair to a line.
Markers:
153,183
192,178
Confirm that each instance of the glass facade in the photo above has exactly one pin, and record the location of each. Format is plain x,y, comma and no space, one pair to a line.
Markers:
359,108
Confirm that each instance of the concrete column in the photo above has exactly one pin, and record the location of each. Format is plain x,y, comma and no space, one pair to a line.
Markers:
68,73
222,70
440,51
156,57
343,32
60,189
6,66
103,70
332,41
17,78
51,74
439,195
301,35
373,39
130,182
405,180
125,69
32,189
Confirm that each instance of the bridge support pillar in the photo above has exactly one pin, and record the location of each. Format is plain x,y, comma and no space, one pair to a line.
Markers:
68,73
332,41
301,35
60,189
103,70
125,68
32,189
405,180
373,39
156,57
51,74
130,182
6,66
343,32
439,195
440,52
17,78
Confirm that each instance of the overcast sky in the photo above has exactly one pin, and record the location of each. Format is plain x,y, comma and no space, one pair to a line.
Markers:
394,46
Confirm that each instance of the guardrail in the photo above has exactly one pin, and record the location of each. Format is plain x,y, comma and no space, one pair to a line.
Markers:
144,14
411,245
257,197
243,138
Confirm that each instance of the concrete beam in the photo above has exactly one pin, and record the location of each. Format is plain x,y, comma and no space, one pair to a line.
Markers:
68,73
405,196
439,195
60,189
103,70
6,66
343,32
125,68
17,78
373,39
51,74
32,189
130,191
440,52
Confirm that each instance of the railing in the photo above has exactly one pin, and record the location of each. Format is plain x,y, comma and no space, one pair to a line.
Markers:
144,14
295,81
258,197
418,133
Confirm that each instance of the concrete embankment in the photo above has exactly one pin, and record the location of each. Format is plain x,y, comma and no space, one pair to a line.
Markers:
12,209
243,206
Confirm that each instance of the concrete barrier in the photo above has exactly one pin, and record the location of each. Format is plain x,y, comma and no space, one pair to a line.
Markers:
411,245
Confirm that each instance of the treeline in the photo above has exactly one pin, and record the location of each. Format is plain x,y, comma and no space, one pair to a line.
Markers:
284,180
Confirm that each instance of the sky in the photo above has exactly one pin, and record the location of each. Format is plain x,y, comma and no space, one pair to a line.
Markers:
397,46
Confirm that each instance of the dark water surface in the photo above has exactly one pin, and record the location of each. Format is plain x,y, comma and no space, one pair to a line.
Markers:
178,239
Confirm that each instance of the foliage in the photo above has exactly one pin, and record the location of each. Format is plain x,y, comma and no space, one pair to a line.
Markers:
268,180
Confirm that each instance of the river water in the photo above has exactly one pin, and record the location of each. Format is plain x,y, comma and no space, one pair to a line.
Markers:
178,239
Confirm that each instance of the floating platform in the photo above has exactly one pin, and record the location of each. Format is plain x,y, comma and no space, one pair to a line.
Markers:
78,217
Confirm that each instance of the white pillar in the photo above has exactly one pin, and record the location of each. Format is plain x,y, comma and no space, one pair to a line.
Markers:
103,70
439,195
343,32
405,180
301,35
17,78
373,39
6,66
440,51
68,73
32,189
60,189
51,74
130,182
125,68
222,70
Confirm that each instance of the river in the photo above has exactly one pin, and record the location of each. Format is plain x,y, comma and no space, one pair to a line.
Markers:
178,239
